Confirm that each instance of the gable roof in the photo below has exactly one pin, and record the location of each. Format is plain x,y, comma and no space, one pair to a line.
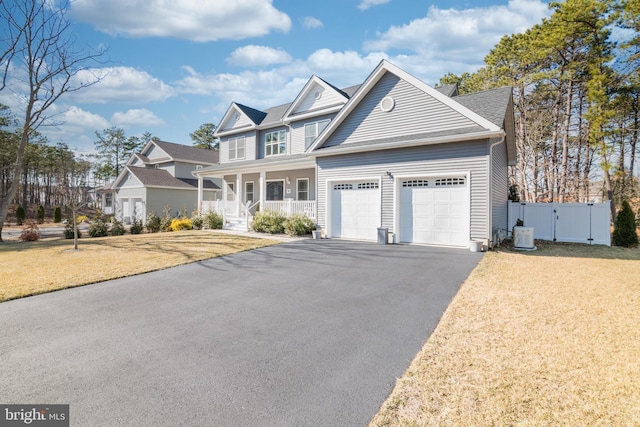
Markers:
339,98
178,152
481,124
275,116
151,177
187,153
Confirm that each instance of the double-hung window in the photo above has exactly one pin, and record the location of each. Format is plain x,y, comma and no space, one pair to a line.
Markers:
312,130
275,143
236,148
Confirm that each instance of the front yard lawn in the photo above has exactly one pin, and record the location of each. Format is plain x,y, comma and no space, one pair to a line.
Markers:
31,268
545,338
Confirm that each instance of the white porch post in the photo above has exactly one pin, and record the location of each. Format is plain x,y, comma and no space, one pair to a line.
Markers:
239,193
200,193
263,189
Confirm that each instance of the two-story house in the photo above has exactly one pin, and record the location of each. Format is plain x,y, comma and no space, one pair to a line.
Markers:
160,176
428,164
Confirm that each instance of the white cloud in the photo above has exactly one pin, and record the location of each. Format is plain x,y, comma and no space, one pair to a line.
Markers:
135,117
261,56
459,38
366,4
121,85
310,23
195,20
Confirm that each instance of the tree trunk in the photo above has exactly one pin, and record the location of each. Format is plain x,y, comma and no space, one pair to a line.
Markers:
562,187
13,188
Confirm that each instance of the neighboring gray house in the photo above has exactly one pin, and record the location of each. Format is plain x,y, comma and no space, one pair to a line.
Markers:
161,175
428,164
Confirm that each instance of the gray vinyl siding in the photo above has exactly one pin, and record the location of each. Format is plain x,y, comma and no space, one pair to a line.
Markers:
129,181
298,135
158,198
183,170
450,158
328,98
414,112
500,188
155,153
249,147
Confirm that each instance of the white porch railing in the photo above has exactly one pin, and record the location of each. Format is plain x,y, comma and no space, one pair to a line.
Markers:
223,207
290,207
287,207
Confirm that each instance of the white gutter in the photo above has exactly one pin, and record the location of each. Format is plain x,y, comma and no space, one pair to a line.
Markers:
490,175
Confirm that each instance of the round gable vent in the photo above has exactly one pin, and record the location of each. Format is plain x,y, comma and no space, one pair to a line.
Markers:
387,104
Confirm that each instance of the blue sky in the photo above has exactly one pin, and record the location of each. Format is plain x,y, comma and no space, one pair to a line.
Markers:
173,65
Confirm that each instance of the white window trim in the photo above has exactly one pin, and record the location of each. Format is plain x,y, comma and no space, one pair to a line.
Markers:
235,150
276,144
230,186
298,189
252,191
316,125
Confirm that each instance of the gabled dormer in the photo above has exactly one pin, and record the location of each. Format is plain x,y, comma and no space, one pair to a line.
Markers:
316,98
239,118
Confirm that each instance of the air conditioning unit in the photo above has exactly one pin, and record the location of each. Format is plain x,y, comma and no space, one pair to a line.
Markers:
523,238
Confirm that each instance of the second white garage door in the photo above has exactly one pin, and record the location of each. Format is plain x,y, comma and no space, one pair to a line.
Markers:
355,210
435,211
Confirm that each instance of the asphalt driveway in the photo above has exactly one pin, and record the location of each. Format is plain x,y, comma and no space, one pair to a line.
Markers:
307,333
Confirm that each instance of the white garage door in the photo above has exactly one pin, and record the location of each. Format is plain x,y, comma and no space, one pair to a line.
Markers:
355,210
435,211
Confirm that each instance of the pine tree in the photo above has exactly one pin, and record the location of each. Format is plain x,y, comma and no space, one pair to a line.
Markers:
624,232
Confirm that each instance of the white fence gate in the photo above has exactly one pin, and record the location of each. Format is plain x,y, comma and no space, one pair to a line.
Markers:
565,222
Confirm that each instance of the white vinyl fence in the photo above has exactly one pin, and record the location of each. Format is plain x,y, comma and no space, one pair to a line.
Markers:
565,222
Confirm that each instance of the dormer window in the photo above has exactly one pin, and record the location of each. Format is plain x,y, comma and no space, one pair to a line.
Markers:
275,143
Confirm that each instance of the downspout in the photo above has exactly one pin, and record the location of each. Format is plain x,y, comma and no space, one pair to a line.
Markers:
490,174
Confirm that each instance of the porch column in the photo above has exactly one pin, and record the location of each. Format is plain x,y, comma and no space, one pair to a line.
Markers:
263,189
239,193
200,193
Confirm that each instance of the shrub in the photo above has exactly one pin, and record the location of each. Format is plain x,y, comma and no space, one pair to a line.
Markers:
268,222
178,224
117,229
40,214
197,221
57,214
298,225
98,228
213,220
136,227
624,231
30,232
153,223
165,221
20,215
83,218
68,231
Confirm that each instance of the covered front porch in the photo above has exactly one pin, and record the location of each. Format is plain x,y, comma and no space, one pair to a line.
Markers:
288,188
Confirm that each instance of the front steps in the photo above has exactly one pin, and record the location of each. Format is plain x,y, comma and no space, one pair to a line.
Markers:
235,223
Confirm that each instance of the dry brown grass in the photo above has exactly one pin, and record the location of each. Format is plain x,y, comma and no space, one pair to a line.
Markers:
31,268
547,338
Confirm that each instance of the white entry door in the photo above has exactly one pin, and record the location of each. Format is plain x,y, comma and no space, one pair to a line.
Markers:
435,211
355,210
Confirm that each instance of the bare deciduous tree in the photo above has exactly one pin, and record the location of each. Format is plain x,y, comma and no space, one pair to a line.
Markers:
40,59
